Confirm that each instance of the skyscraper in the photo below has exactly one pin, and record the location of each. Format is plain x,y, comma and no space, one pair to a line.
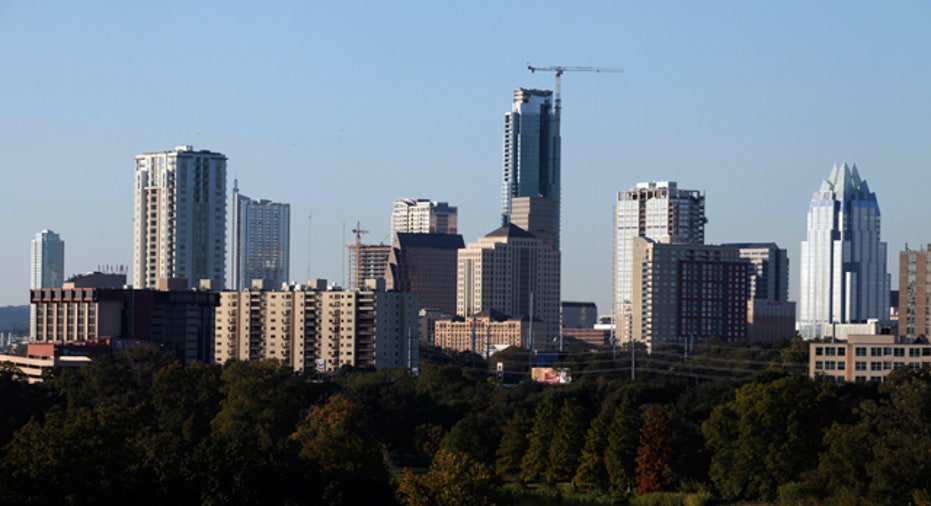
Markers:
422,216
511,271
915,292
259,241
47,267
531,153
180,217
48,261
660,211
843,264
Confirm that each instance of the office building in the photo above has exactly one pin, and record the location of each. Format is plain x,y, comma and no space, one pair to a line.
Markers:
48,260
425,264
914,299
770,314
579,315
537,215
866,357
512,272
310,328
660,211
688,292
177,319
260,240
485,332
843,264
180,217
532,154
423,216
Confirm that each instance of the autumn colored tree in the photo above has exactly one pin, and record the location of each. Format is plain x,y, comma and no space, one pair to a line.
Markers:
654,455
453,480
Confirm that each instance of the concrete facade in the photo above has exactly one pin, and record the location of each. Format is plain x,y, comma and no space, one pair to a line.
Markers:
915,293
485,332
866,357
423,216
180,217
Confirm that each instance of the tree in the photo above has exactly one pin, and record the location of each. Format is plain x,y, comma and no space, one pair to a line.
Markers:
623,440
654,455
591,471
535,460
768,435
513,445
453,480
567,441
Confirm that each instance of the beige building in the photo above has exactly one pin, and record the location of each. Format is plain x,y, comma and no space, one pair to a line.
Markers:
866,357
688,291
484,331
367,261
512,272
313,328
537,215
915,293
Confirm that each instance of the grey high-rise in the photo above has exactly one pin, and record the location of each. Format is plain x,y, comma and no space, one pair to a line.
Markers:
843,264
260,241
531,153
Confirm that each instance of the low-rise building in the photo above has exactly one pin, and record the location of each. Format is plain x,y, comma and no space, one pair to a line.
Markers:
486,330
866,357
41,357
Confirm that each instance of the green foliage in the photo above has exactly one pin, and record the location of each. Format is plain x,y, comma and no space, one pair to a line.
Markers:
591,471
536,458
513,445
567,441
453,480
673,499
768,435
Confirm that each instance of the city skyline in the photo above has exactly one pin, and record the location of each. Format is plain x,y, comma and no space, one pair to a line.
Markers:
746,103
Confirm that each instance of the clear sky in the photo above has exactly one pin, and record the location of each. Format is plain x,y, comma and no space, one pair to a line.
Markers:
338,108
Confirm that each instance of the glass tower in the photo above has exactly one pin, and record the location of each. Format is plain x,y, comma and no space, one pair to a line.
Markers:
260,241
531,152
48,260
843,263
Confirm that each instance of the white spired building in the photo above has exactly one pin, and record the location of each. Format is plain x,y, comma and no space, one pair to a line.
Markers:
180,217
260,241
843,264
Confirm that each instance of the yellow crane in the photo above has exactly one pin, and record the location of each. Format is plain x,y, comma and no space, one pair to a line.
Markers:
559,70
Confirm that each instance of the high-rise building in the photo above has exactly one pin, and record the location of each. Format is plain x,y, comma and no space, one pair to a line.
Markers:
259,240
313,328
423,216
531,153
688,291
180,217
770,314
425,264
367,261
48,261
915,293
660,211
843,264
47,267
511,271
537,215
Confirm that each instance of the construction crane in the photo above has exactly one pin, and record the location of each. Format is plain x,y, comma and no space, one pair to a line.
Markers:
559,72
358,253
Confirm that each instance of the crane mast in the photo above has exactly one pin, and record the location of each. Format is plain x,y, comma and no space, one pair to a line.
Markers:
559,70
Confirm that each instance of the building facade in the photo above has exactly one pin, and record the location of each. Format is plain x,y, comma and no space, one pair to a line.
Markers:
485,332
862,358
180,217
310,328
688,292
512,272
180,321
425,264
532,154
770,314
423,216
48,260
367,261
915,293
537,215
843,265
660,211
260,240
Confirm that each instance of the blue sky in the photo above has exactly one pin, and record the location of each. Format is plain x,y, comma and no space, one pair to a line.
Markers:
341,107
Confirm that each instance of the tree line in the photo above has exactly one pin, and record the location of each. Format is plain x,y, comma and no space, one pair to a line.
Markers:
729,424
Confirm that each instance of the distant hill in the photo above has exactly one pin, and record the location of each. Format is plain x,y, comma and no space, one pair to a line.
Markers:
14,318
